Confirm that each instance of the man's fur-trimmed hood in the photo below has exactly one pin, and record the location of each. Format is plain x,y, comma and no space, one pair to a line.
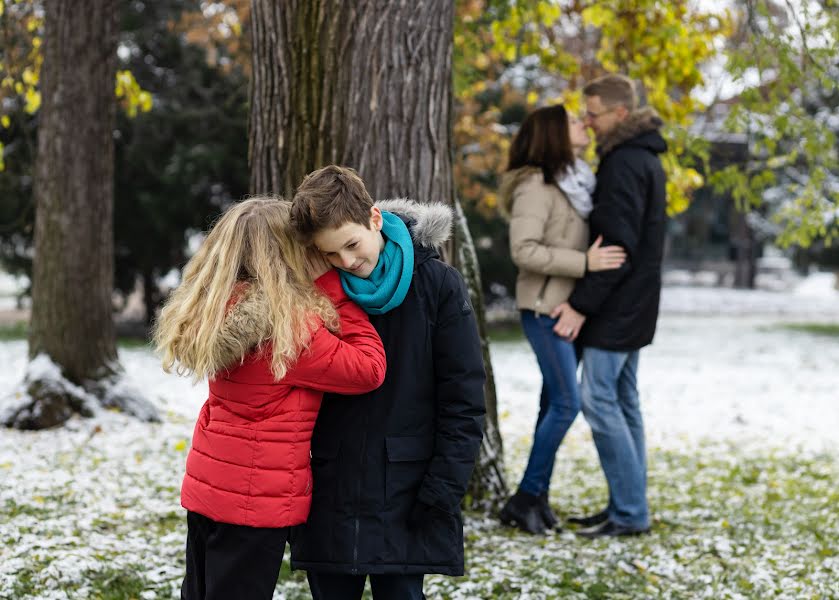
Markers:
641,121
245,326
430,224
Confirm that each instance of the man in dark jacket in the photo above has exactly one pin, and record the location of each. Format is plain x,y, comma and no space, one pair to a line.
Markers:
391,467
619,308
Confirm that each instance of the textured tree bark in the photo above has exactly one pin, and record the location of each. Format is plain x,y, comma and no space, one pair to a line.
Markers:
72,282
367,84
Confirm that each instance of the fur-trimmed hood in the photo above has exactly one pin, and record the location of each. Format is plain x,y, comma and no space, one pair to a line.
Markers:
641,121
430,223
245,326
246,323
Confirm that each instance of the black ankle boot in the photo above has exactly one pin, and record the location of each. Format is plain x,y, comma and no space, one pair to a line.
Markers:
523,512
547,513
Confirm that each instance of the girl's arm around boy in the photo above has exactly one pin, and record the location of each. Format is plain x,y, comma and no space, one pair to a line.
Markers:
350,361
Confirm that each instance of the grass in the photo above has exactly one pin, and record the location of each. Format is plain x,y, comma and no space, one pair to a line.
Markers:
512,332
13,331
505,332
727,523
724,526
112,584
20,331
826,329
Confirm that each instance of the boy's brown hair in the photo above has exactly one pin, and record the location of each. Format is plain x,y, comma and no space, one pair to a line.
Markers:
613,90
330,198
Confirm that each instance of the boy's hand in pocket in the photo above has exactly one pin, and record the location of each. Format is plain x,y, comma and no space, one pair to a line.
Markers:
422,513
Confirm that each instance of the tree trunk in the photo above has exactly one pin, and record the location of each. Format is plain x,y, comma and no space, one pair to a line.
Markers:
744,248
72,345
367,84
151,296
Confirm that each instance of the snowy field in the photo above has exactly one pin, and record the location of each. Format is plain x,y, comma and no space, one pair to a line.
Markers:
742,418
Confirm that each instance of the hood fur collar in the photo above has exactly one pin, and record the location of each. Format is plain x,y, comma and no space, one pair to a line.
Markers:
245,327
640,121
430,224
246,323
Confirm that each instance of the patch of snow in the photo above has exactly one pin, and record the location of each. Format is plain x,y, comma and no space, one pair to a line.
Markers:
746,380
822,286
813,297
12,285
94,494
42,369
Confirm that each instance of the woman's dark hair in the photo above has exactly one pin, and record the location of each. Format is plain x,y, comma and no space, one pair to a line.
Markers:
543,141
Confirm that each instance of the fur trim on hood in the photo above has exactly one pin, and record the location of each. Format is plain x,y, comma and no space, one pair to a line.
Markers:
430,223
640,121
245,327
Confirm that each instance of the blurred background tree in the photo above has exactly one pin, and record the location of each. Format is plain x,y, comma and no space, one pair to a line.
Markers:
73,363
747,89
180,140
786,57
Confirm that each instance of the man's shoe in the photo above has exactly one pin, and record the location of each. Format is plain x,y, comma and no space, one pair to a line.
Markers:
522,511
611,529
548,515
591,520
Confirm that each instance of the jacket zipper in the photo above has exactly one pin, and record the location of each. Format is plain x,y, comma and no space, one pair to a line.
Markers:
357,527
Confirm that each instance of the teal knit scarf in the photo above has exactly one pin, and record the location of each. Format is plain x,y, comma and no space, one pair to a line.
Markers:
388,284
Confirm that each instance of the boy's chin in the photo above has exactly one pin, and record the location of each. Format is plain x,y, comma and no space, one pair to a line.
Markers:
361,273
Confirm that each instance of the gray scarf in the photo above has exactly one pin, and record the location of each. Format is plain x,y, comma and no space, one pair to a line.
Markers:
577,183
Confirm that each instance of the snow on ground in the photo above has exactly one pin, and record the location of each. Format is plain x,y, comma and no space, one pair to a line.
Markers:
815,296
101,494
746,379
10,287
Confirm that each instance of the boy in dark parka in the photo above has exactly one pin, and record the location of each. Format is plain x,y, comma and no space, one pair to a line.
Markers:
391,467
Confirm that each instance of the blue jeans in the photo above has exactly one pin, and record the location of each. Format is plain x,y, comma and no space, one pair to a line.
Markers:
612,409
558,363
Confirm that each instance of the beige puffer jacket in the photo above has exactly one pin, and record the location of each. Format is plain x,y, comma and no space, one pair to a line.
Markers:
548,240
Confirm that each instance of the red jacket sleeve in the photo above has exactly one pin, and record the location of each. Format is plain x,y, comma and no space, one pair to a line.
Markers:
352,362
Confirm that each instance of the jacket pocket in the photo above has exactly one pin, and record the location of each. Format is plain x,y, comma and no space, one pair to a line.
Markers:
409,448
324,474
407,462
325,449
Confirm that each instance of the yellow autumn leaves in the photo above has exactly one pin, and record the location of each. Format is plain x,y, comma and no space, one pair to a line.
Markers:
663,45
132,98
20,69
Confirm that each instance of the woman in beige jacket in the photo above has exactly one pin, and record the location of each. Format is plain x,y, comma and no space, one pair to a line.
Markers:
547,193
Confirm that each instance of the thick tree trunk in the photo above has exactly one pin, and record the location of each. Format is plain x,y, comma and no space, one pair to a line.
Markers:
71,341
367,84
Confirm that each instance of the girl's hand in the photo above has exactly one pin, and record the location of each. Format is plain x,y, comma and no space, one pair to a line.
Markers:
316,263
604,258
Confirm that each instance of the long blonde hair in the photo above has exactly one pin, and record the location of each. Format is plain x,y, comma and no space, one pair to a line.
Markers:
251,242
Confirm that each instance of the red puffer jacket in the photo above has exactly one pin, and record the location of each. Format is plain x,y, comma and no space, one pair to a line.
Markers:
249,461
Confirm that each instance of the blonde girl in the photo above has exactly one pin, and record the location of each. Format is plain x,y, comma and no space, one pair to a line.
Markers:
250,317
